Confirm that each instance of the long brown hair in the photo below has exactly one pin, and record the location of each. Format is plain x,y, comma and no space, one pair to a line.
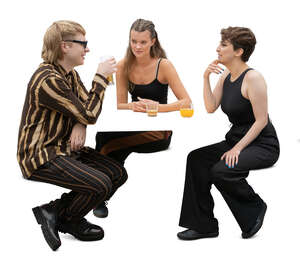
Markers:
156,50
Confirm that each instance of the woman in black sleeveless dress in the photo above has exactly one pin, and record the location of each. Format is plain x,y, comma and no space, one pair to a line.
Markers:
251,143
146,74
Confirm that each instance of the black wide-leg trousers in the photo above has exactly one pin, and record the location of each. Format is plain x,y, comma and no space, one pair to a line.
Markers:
92,177
205,168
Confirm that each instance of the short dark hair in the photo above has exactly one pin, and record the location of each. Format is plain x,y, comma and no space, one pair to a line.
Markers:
242,38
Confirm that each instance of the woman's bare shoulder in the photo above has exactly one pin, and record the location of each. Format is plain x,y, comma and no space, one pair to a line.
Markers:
166,64
253,76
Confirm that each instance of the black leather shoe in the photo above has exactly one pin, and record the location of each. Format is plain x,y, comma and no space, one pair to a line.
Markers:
101,210
190,234
82,230
258,223
46,216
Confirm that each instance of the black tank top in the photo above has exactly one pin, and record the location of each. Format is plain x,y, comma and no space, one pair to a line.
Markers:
234,105
154,90
240,114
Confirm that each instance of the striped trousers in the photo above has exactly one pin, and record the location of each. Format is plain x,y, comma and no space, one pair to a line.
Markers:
92,177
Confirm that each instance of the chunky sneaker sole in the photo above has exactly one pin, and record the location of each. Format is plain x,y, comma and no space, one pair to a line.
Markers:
52,242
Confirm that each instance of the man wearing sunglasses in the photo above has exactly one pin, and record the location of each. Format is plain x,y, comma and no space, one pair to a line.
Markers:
52,134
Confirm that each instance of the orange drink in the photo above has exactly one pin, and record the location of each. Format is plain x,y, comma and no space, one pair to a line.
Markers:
187,112
186,109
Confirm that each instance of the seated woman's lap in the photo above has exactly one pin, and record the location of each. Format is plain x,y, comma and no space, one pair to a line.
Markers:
251,158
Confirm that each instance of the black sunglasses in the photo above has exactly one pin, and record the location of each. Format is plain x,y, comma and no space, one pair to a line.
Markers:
82,43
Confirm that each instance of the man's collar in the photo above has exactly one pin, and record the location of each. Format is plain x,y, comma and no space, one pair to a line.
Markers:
61,70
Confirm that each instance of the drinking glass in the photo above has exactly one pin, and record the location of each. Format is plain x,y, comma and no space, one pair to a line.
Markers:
110,77
186,109
152,108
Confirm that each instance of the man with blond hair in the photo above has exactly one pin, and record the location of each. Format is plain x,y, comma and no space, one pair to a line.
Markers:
52,134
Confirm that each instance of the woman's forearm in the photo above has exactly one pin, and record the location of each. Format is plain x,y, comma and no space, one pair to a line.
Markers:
161,107
209,98
173,106
124,106
252,134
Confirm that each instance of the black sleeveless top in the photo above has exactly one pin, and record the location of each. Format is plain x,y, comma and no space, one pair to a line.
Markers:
154,90
234,105
240,114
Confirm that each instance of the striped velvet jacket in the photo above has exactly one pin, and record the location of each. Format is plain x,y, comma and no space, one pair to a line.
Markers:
54,102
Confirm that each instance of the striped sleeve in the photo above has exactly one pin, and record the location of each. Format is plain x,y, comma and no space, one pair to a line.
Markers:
55,93
82,91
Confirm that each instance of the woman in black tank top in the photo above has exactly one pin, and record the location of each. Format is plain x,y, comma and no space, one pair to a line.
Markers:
146,74
251,143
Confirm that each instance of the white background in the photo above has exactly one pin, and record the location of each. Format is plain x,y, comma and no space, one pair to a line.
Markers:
143,220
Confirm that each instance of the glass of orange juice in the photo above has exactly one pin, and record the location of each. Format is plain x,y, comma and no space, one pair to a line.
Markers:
186,109
152,108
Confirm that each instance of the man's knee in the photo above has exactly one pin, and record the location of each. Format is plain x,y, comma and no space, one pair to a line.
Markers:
123,176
